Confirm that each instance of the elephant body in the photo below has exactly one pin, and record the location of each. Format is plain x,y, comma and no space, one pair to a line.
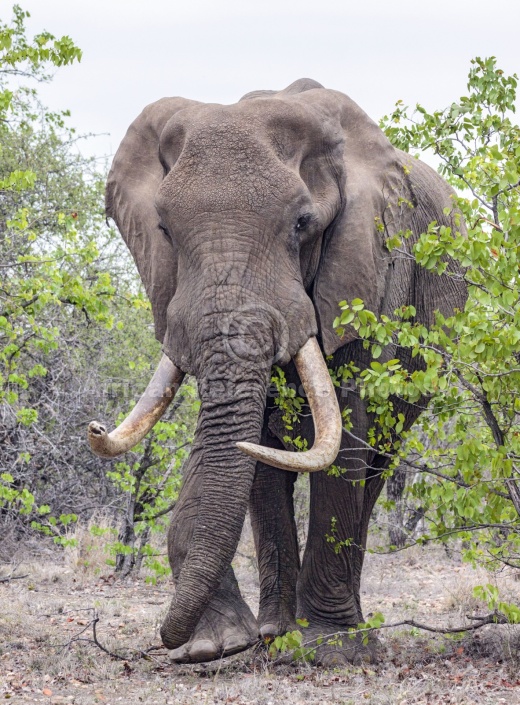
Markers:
248,224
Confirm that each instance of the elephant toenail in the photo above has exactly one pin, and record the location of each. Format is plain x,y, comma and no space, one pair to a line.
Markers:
233,644
180,655
269,631
203,650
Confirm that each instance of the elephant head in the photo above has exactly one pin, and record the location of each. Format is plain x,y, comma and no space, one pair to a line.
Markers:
248,224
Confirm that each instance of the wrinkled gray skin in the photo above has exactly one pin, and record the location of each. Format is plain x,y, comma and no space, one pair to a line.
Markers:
248,224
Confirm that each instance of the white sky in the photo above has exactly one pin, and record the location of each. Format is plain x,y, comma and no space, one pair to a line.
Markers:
136,51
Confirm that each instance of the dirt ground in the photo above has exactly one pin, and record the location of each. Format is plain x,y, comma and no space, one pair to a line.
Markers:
45,616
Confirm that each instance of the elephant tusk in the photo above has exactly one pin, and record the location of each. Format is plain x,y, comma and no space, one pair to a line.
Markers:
325,413
156,398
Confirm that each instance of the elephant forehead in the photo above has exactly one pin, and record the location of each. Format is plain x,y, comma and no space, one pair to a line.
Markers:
226,170
234,146
246,131
213,184
245,156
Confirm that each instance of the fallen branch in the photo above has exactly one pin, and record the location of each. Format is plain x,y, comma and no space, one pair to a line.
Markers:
8,578
493,618
138,653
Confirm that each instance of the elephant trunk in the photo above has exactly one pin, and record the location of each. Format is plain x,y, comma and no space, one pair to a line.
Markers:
232,408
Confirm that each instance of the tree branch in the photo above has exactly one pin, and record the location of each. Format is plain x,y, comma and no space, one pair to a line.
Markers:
514,493
493,618
8,578
139,653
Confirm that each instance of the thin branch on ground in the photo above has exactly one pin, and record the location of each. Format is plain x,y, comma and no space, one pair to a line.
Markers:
492,618
135,656
8,578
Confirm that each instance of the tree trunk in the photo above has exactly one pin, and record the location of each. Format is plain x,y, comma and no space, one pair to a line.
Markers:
125,561
140,553
395,486
514,493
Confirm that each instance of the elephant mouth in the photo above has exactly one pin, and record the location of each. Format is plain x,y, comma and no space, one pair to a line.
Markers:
166,380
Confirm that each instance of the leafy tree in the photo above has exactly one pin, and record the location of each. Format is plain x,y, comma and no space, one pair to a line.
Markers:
151,480
75,327
465,451
40,243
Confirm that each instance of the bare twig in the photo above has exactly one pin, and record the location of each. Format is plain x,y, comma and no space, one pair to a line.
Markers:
8,578
332,639
493,618
489,222
138,653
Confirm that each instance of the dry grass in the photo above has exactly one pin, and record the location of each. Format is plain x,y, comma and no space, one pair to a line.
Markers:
88,556
41,663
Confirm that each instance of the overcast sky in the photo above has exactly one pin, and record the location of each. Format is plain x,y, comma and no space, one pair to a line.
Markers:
376,51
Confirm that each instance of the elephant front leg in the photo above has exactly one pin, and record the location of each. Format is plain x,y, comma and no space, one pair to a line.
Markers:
227,625
272,518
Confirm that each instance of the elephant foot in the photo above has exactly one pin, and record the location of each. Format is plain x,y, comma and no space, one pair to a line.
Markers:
337,650
275,622
226,628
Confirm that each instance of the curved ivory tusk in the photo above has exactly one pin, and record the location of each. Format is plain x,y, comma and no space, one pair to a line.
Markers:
156,398
325,413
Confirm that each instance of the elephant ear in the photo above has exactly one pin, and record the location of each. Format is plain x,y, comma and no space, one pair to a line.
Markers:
133,180
376,203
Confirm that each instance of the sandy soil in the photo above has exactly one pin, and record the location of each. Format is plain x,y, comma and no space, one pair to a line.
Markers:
45,617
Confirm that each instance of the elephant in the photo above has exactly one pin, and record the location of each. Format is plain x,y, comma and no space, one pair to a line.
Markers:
248,223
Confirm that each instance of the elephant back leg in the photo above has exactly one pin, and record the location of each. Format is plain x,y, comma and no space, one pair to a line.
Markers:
329,583
328,591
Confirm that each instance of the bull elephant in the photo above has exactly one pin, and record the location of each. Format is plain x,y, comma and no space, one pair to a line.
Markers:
248,224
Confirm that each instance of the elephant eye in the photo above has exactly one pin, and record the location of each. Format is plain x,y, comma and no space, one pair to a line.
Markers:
303,221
